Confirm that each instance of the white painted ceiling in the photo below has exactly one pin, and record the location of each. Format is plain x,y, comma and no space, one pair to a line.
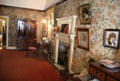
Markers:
32,4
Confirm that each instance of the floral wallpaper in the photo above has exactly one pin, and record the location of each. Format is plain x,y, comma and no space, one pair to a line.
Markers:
19,13
50,31
105,15
48,17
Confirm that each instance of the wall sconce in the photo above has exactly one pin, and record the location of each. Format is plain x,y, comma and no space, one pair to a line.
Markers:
44,21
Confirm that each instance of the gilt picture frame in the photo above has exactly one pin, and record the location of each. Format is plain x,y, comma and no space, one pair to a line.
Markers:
84,14
83,38
111,38
51,18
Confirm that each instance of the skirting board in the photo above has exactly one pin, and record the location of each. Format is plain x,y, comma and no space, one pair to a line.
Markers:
11,47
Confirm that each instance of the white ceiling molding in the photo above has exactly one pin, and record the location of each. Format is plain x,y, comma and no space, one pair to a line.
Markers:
32,4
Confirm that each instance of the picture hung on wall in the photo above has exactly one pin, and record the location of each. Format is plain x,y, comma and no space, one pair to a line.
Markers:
52,19
111,38
84,14
64,28
53,31
83,38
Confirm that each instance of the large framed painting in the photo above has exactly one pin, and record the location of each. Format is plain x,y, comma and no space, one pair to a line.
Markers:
111,38
84,14
83,38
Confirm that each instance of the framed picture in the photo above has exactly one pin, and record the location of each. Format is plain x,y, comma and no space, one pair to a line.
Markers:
65,28
53,33
51,18
83,38
84,14
111,38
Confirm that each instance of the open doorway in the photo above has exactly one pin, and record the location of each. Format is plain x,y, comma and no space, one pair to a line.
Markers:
3,28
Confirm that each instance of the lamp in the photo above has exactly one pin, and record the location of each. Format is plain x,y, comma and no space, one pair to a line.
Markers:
44,21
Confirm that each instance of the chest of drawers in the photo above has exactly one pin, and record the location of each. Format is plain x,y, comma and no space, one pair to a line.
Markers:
102,73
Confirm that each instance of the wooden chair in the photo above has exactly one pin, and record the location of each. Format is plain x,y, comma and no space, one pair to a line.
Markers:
32,48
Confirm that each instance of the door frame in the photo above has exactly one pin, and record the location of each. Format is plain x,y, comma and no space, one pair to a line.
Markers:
7,18
7,34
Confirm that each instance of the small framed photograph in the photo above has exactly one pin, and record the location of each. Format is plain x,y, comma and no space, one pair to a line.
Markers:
111,38
83,38
84,14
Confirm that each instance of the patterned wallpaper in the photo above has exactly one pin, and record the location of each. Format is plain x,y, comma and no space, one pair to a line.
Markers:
47,15
18,13
105,14
50,28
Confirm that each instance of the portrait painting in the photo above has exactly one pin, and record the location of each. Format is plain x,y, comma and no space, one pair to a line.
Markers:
84,14
111,38
83,38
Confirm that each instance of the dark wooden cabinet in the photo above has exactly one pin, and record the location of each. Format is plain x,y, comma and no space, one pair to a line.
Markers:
21,43
26,33
102,73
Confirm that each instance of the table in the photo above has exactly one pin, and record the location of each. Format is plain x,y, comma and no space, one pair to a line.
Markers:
45,46
102,73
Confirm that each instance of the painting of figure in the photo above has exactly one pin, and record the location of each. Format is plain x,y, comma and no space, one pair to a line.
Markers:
84,14
83,38
111,38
